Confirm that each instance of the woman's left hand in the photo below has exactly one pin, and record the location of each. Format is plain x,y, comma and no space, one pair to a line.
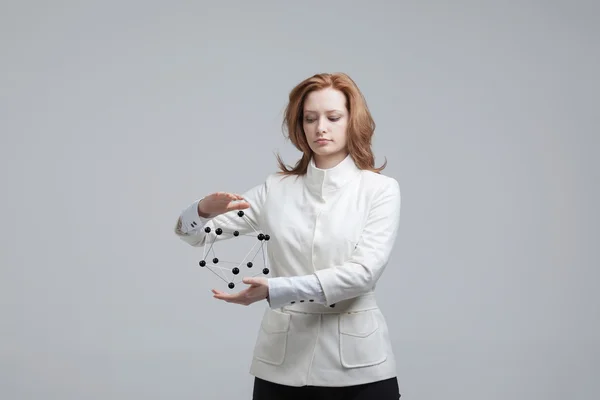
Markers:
258,290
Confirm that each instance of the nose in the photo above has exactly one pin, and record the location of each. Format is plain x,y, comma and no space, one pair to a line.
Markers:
322,126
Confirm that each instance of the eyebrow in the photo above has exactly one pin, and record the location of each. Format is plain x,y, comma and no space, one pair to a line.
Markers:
325,111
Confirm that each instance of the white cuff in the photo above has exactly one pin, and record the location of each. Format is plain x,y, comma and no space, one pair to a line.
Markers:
190,220
289,290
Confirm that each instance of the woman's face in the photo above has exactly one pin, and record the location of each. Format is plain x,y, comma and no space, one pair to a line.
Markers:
325,126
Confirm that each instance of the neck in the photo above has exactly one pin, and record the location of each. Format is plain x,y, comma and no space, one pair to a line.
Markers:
325,182
329,161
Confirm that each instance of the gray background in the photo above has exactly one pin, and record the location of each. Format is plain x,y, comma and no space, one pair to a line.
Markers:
115,115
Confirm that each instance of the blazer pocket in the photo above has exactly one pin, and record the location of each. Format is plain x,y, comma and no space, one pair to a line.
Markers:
361,344
271,343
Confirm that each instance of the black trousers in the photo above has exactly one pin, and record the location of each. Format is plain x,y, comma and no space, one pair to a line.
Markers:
382,390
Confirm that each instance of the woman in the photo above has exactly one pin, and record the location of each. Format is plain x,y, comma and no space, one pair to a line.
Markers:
332,221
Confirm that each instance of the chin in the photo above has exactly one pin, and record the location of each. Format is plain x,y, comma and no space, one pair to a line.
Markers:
328,153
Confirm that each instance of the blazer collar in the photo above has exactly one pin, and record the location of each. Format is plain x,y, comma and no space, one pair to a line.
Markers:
327,181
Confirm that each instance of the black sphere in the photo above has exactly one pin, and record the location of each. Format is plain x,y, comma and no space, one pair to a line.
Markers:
236,233
202,263
241,213
207,229
267,237
215,260
231,285
235,271
261,236
219,231
265,271
249,264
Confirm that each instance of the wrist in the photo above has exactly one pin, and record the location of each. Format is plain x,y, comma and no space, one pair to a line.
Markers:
201,213
267,285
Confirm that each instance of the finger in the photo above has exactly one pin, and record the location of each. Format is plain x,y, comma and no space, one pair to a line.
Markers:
233,297
225,296
242,205
249,281
255,281
226,299
234,301
224,196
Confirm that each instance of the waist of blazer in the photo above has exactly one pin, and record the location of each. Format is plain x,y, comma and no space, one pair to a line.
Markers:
363,302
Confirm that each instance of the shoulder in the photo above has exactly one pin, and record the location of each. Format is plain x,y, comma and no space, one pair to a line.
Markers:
276,183
278,179
380,184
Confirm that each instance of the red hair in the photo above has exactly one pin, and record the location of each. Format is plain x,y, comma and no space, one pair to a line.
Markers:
361,125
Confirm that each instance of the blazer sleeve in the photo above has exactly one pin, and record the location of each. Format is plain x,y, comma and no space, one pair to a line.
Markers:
284,290
191,228
360,273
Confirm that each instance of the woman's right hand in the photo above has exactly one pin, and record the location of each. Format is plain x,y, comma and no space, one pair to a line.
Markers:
219,203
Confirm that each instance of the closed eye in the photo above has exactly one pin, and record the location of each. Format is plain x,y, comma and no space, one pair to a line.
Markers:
332,119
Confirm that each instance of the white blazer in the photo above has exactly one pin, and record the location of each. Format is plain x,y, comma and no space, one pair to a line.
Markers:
339,224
